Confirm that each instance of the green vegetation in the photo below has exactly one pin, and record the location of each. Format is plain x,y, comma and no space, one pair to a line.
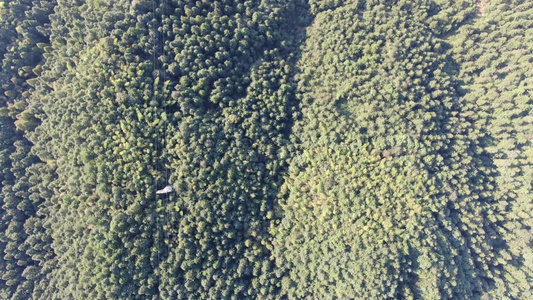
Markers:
319,149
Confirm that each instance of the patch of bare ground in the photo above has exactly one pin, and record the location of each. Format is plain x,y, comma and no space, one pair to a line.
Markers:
481,5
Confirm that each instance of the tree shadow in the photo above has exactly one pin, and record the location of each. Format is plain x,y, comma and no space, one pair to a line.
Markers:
481,181
225,165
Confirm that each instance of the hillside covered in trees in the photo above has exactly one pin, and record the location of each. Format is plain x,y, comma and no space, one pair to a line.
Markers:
318,149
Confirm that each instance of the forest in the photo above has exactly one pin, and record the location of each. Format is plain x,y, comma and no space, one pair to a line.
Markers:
316,149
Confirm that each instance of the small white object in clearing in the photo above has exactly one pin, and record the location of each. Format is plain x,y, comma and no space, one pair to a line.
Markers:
168,189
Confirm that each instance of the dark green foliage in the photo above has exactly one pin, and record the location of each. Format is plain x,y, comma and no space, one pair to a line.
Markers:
232,106
495,57
320,149
24,31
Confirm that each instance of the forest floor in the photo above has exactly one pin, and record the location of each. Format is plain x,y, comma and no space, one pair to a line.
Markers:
481,5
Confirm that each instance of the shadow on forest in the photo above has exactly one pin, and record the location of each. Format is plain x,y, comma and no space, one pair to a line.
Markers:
222,197
481,178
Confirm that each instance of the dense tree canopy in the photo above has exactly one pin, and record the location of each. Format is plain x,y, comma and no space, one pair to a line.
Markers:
318,149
